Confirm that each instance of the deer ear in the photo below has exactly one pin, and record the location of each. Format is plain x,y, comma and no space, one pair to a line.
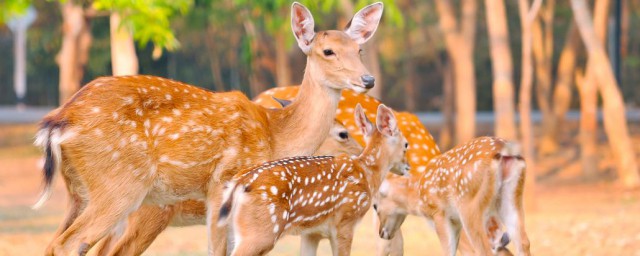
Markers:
386,121
282,102
364,23
302,25
366,127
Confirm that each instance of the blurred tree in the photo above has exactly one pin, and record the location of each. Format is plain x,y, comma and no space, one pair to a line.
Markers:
564,79
503,95
527,17
144,21
460,40
615,121
589,97
74,51
10,8
542,30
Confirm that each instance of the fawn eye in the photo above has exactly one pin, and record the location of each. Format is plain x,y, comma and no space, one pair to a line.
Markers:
343,135
375,207
328,52
406,145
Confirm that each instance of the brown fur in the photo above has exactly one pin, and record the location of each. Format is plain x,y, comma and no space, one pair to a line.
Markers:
149,221
142,139
312,194
465,187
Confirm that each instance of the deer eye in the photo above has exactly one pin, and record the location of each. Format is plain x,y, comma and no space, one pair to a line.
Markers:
375,207
328,52
406,145
343,135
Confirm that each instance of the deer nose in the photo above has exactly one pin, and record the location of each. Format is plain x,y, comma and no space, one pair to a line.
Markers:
368,81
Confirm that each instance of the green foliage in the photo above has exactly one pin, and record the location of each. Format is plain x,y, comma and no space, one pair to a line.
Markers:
10,8
149,20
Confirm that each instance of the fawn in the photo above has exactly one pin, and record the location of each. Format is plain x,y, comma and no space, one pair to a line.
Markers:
149,221
313,194
121,142
470,187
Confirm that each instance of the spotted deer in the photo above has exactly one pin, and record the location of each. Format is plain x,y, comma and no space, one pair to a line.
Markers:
145,224
312,194
468,188
422,146
397,198
121,142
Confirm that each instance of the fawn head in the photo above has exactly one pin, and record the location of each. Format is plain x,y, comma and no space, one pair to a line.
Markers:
387,140
388,205
334,56
338,142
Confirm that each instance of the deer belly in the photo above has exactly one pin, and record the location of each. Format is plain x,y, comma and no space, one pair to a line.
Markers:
170,187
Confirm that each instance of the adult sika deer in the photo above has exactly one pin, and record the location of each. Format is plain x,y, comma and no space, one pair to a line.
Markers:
303,195
121,142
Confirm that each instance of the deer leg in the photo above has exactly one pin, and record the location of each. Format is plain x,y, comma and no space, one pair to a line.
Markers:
473,224
448,233
144,225
344,238
217,235
253,234
393,247
309,244
102,214
75,206
512,215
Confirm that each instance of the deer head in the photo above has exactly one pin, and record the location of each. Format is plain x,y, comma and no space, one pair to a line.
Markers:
389,142
335,55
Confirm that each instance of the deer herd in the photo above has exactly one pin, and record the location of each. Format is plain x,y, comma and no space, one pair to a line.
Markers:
140,153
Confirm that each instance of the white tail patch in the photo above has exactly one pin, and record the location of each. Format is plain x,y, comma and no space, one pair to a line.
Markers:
54,138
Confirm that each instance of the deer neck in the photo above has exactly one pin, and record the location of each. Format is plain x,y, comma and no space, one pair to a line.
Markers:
300,128
376,166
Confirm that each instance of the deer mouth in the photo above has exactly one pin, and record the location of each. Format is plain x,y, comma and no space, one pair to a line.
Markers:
359,88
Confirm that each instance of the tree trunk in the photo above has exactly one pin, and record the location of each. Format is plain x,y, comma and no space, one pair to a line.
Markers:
588,125
124,60
542,30
446,131
214,58
503,96
408,71
589,98
564,80
372,62
256,84
615,121
527,17
283,69
459,44
73,54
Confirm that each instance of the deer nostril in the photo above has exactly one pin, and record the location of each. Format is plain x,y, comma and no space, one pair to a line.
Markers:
368,81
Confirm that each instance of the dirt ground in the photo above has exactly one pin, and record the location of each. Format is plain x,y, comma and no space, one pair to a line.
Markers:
572,216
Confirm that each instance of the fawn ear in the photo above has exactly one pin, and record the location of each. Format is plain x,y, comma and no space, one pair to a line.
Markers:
366,127
364,23
386,121
302,25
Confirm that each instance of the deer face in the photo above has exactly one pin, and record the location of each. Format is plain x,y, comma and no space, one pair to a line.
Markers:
395,144
338,142
390,212
334,56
